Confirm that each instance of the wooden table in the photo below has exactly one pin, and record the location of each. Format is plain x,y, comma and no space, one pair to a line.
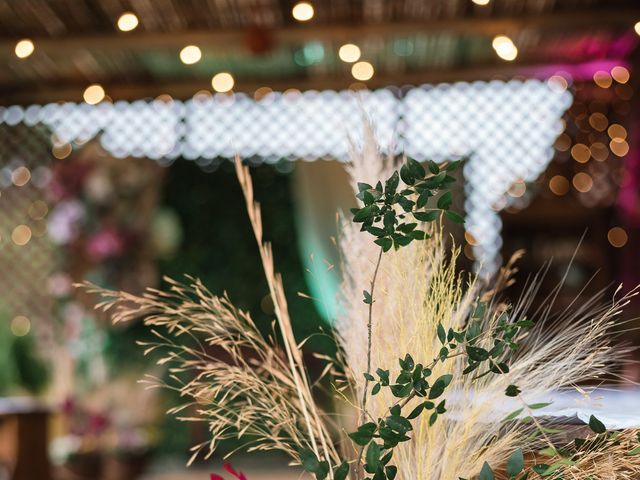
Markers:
24,439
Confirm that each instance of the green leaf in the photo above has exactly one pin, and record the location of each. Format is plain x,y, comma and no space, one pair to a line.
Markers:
433,167
596,425
309,460
513,415
512,391
367,297
376,389
442,334
486,473
364,186
538,406
372,457
322,471
391,471
445,201
386,243
391,185
453,216
416,169
477,354
364,434
416,412
451,166
439,386
341,472
363,214
426,216
389,220
515,464
634,452
406,175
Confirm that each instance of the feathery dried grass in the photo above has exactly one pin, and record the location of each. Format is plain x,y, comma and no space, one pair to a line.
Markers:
419,289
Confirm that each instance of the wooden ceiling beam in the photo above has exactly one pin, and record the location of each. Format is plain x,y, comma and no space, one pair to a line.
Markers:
185,89
235,39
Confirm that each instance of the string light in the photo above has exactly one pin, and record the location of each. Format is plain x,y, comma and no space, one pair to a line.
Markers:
24,48
303,11
349,53
222,82
636,27
505,48
617,237
362,71
93,94
481,2
190,55
127,22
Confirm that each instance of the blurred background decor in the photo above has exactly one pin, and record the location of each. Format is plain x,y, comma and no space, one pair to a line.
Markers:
118,118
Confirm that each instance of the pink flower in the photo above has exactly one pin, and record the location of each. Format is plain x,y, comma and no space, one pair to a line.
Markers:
229,469
105,244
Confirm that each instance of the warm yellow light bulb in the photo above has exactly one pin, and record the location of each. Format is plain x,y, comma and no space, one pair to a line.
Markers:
222,82
362,71
636,27
349,53
303,11
24,48
93,94
505,48
127,22
190,55
481,2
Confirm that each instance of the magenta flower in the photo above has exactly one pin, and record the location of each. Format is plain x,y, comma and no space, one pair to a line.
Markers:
229,469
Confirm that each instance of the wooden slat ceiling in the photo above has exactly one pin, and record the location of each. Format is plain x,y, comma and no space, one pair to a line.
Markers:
408,41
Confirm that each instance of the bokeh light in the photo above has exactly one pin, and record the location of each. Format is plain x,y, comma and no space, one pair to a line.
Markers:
24,48
617,131
617,237
222,82
190,54
93,94
559,185
303,11
580,153
20,326
21,176
349,53
505,48
602,79
362,71
21,235
620,74
127,22
619,146
582,182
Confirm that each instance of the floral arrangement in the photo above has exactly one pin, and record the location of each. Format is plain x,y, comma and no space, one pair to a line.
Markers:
443,375
106,225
